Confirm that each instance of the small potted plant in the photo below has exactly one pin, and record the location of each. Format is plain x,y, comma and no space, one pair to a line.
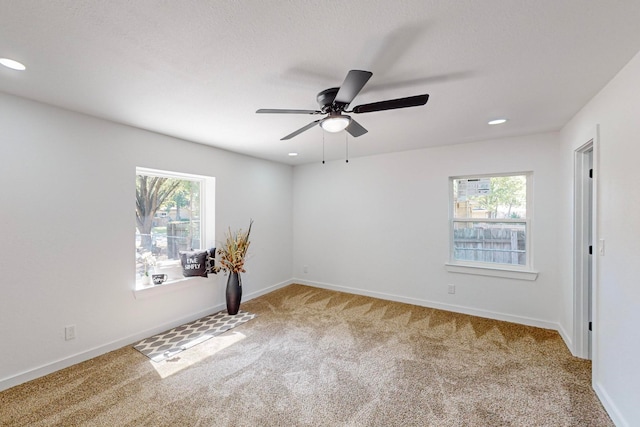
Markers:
148,262
231,258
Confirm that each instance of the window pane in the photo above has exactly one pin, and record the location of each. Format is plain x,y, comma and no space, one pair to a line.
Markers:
493,242
168,219
490,197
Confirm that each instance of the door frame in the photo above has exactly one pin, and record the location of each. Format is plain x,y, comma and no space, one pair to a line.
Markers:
582,306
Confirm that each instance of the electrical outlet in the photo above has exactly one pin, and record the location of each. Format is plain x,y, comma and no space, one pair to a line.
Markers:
70,332
305,268
452,289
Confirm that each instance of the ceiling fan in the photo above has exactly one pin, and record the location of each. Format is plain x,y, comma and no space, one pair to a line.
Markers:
334,102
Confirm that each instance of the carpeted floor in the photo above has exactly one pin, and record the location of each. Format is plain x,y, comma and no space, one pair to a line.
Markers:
314,357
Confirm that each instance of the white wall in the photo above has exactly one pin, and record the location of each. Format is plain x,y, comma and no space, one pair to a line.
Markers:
379,226
616,371
375,226
67,224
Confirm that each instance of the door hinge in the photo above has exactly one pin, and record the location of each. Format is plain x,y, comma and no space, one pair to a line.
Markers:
590,173
590,326
590,250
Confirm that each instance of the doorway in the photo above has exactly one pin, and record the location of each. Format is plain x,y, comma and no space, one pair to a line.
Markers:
585,249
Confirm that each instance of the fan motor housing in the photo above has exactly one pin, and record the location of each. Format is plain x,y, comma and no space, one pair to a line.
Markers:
326,98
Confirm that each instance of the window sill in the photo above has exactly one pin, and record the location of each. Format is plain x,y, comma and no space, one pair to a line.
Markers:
143,291
492,271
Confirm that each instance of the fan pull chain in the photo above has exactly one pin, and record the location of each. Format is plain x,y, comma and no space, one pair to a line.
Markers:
346,137
323,148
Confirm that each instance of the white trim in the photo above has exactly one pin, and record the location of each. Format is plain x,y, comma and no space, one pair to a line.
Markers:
489,175
170,174
610,406
206,235
492,220
65,362
528,321
172,286
481,270
268,289
580,243
207,222
40,371
595,261
527,221
565,336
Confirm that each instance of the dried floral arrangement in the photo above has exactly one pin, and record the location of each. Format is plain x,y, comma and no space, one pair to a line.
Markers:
231,255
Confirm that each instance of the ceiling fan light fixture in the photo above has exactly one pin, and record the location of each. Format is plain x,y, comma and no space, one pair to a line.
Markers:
334,102
335,123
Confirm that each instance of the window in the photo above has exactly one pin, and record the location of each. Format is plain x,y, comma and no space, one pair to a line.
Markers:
490,224
170,212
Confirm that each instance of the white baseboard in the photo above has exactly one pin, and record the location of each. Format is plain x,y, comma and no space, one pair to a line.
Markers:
567,339
267,290
65,362
432,304
609,405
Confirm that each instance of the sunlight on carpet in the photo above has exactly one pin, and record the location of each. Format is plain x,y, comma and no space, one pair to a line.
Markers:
195,354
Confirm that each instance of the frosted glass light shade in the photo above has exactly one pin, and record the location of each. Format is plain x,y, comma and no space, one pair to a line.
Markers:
335,123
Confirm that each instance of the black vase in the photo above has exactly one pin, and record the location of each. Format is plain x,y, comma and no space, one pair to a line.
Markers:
234,293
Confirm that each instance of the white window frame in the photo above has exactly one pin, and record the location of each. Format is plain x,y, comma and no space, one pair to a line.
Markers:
511,271
207,224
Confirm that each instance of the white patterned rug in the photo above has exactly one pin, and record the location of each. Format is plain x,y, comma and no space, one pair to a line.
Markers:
168,344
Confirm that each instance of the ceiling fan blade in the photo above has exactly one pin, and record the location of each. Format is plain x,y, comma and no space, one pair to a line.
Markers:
356,129
352,85
280,111
411,101
299,131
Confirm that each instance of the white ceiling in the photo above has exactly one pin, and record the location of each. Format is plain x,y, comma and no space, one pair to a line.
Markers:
199,70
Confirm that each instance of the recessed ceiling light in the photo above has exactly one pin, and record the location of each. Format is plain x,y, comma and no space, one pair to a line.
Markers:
497,121
14,65
293,154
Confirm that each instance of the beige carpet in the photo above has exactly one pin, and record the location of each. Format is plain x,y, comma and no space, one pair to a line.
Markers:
314,357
